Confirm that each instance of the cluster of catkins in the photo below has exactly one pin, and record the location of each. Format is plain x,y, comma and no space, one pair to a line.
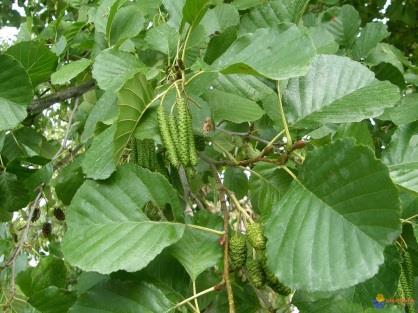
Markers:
258,272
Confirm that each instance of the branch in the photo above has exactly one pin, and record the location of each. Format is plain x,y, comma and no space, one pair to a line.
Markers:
38,105
222,196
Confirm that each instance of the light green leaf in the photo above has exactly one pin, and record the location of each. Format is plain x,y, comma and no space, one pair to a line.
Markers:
105,110
197,251
36,58
13,195
358,131
337,90
112,69
69,71
402,156
272,13
118,296
107,230
11,114
405,112
15,84
370,36
269,52
323,40
246,86
220,18
175,12
384,52
230,107
236,181
98,162
267,184
101,18
343,23
348,198
127,23
163,38
133,101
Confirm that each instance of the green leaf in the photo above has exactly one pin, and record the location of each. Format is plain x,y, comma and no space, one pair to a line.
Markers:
69,71
105,110
194,10
386,53
11,114
69,179
127,23
236,181
269,52
197,251
230,107
133,101
163,38
53,300
112,69
98,162
405,112
343,195
272,13
51,271
358,131
402,156
370,36
267,185
337,90
107,231
15,92
36,58
175,12
323,40
101,18
387,71
220,18
13,195
343,23
117,296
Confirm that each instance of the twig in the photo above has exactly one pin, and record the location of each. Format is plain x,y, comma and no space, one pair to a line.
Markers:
209,230
196,303
186,190
239,207
283,117
222,196
38,105
213,288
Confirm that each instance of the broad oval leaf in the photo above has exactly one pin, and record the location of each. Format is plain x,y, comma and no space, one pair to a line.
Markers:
269,52
337,90
330,229
133,100
112,69
107,231
402,156
36,58
69,71
404,112
127,23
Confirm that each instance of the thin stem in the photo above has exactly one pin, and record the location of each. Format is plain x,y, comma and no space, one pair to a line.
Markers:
290,172
196,303
213,288
283,117
271,142
209,230
239,207
189,31
222,197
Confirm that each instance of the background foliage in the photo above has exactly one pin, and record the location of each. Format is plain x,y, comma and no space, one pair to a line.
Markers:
305,117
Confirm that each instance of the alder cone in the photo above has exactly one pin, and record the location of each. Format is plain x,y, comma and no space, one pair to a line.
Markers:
47,229
255,236
256,274
272,281
237,251
59,214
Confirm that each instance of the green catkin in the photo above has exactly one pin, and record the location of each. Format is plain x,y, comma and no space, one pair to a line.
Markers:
272,280
152,155
167,136
133,158
407,282
192,144
255,273
237,251
255,236
183,131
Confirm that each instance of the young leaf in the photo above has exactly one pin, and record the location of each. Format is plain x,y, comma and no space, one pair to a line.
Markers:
69,71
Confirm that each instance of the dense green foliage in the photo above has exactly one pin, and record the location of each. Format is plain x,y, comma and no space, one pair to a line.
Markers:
239,156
